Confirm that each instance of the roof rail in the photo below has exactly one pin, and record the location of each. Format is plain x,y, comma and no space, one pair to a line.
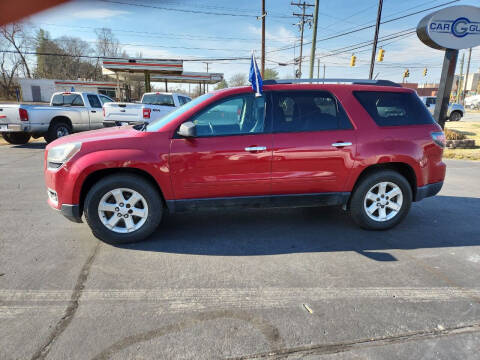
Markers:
353,81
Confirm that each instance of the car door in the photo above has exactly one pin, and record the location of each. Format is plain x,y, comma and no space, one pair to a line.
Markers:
313,143
95,112
230,155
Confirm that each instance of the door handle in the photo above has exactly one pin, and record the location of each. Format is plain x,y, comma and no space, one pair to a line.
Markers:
93,111
256,148
341,144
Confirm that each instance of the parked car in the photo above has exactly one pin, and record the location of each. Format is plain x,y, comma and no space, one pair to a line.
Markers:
371,147
472,102
153,106
454,113
67,113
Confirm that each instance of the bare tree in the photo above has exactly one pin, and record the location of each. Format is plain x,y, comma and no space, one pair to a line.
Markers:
107,43
238,80
9,67
17,38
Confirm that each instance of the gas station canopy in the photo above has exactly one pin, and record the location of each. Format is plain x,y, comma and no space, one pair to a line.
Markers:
190,78
143,65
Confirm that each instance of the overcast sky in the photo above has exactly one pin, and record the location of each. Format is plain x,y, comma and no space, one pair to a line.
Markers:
188,29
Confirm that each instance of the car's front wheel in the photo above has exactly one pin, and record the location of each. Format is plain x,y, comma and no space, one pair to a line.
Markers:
456,116
123,208
381,200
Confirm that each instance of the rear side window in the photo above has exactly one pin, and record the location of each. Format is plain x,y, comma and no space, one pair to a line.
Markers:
394,108
67,100
297,111
94,102
158,99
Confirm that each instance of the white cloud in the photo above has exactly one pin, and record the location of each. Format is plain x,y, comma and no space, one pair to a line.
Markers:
98,13
280,35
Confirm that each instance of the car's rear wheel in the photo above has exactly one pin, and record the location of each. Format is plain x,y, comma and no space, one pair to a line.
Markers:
57,130
123,208
381,200
16,138
456,116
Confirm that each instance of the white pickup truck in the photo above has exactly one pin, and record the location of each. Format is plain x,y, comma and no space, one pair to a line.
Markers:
153,105
67,113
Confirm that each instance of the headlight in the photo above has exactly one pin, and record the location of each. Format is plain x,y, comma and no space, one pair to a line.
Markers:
59,155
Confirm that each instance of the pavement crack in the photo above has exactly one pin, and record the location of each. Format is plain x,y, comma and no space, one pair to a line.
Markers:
362,343
71,309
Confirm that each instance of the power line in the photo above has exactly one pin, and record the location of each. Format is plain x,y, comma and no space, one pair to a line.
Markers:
236,14
369,26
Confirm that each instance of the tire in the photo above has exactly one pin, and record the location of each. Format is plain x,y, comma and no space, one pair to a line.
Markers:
367,187
150,205
19,138
56,130
456,116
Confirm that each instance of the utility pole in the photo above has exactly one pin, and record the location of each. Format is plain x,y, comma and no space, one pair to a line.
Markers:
466,76
375,39
264,15
314,39
460,78
305,18
206,63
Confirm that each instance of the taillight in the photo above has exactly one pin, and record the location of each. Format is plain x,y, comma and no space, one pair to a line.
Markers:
439,138
23,114
146,113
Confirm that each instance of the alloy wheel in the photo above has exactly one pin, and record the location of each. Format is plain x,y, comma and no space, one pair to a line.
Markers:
383,201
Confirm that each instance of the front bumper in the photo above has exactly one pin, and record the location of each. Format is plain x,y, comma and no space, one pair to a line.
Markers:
72,212
428,190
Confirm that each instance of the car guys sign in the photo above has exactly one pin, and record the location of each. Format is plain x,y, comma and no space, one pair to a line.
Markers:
455,27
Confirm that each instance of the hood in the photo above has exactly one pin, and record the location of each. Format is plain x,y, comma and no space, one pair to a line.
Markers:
111,133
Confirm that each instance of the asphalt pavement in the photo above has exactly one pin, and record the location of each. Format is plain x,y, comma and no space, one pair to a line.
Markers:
294,283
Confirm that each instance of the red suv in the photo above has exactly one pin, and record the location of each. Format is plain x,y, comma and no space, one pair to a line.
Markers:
369,146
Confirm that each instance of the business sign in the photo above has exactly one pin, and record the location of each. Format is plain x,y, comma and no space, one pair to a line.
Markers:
455,27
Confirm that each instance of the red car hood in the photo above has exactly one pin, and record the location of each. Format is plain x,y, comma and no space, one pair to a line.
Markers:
111,133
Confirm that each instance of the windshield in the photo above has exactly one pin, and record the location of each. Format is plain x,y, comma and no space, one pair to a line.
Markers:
158,99
159,123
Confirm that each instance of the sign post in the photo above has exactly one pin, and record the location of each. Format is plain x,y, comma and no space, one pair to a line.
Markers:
449,29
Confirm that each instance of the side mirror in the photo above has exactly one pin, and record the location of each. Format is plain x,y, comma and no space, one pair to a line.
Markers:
187,129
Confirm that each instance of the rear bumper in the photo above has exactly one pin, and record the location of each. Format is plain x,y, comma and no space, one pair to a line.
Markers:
111,123
13,128
428,190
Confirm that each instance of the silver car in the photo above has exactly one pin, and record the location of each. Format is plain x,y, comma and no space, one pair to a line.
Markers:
454,113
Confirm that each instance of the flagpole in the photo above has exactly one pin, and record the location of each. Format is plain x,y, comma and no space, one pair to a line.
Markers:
256,74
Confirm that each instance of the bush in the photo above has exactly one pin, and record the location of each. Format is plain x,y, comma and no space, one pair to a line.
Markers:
454,135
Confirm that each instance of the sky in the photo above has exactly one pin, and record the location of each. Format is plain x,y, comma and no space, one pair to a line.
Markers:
213,29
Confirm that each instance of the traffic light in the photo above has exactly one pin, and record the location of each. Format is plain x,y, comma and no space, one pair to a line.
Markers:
406,73
381,54
353,59
425,72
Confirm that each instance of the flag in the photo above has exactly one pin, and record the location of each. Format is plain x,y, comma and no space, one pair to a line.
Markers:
255,77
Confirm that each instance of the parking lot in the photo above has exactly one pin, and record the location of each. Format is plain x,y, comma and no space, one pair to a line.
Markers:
262,283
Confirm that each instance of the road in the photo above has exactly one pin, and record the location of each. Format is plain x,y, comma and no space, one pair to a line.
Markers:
296,283
471,116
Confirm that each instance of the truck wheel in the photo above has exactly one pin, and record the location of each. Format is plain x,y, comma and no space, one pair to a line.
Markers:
57,130
381,200
123,208
19,138
456,116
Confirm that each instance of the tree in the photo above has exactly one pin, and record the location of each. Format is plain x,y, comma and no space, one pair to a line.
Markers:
238,80
15,36
270,74
221,85
107,43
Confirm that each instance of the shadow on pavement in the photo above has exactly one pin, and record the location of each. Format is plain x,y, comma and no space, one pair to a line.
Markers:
442,221
32,145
